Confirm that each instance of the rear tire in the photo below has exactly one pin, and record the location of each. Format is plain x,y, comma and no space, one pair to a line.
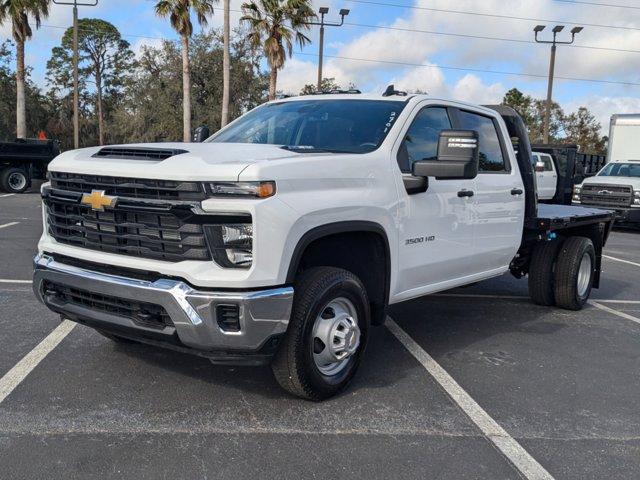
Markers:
330,318
574,273
14,180
541,283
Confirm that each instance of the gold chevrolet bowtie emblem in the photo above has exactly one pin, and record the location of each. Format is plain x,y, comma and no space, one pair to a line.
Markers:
97,200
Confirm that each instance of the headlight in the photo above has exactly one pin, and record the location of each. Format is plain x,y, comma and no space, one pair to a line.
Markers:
576,193
231,244
242,189
636,197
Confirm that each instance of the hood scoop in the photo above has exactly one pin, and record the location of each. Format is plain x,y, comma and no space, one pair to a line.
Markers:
138,153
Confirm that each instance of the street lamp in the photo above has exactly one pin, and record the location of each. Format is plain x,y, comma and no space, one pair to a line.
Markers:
323,11
552,62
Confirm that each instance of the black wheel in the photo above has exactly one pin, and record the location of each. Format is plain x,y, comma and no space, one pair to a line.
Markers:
327,334
14,180
543,261
115,338
574,273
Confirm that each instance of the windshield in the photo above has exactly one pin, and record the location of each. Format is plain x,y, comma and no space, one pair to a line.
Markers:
344,126
621,170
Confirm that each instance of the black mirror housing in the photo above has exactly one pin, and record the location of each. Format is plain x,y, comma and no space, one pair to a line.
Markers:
201,134
458,157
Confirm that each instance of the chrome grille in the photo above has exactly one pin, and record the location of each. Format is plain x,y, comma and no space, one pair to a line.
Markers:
129,187
607,195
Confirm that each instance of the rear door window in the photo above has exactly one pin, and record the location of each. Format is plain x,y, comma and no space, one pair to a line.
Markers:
492,158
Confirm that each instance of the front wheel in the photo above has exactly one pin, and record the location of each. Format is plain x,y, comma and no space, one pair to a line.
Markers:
327,334
14,180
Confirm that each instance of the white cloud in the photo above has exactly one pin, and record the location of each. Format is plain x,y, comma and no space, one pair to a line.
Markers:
603,107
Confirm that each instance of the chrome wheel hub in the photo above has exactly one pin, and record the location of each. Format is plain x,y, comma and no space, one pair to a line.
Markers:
17,181
336,336
584,274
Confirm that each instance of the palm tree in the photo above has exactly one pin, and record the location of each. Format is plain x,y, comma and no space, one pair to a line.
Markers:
179,13
18,11
274,25
226,61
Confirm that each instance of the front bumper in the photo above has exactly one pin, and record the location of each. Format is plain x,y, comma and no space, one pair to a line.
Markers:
263,315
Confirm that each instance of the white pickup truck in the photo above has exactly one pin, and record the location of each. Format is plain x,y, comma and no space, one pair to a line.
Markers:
283,237
617,185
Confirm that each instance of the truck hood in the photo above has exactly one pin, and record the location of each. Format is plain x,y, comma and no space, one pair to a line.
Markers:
601,180
202,161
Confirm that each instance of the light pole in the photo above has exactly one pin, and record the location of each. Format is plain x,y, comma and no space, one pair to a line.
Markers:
76,114
552,65
323,11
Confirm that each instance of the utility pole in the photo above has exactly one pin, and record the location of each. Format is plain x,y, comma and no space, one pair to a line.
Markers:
552,65
76,95
323,11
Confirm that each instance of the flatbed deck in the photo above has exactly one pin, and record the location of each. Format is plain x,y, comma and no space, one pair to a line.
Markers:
556,217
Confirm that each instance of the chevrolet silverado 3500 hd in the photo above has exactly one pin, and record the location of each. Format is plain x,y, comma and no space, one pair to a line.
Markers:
283,237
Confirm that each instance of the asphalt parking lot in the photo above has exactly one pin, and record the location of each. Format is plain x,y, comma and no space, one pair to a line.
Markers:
472,383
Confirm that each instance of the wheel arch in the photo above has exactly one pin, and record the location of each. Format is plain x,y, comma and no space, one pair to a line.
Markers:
370,238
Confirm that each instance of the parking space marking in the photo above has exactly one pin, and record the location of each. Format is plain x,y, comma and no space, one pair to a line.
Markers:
510,448
614,311
6,280
10,224
621,260
24,367
7,195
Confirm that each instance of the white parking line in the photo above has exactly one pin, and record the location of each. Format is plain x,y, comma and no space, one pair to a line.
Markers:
24,367
621,260
7,195
510,448
10,224
6,280
614,311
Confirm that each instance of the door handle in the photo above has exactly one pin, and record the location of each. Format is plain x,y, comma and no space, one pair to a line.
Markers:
465,193
516,191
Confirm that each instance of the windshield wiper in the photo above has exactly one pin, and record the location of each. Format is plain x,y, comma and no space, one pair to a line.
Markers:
312,149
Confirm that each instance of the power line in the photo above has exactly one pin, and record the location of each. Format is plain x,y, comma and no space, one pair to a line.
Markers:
428,32
598,4
482,37
476,70
492,15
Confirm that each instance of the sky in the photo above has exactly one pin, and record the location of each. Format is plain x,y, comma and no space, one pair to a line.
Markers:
418,45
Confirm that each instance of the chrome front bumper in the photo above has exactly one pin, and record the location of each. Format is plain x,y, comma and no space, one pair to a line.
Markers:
263,314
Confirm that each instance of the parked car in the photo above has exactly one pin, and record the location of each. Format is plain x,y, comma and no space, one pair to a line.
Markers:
617,185
24,160
283,238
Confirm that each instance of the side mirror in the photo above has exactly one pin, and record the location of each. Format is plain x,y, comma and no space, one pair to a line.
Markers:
458,157
201,134
539,166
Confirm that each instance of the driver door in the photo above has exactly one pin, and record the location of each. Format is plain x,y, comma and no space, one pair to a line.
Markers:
437,225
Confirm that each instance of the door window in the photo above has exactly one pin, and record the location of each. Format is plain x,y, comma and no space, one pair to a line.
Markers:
421,141
491,156
548,165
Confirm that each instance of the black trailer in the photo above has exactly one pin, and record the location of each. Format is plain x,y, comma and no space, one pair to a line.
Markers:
572,168
24,160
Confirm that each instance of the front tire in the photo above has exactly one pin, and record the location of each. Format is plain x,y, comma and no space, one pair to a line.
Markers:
574,273
14,180
327,334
